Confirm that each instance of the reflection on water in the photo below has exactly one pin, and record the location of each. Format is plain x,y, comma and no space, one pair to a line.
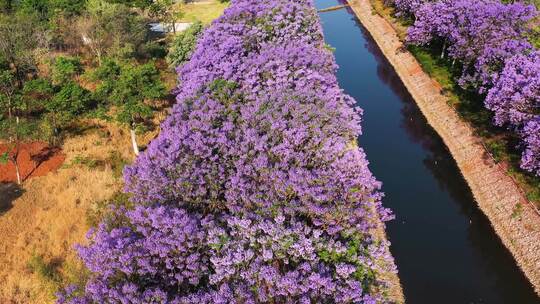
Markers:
444,246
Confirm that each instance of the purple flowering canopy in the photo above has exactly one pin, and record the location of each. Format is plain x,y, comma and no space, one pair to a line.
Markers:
515,100
489,38
481,34
255,191
407,7
531,156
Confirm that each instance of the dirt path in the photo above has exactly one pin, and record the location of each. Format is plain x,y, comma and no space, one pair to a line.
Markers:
494,191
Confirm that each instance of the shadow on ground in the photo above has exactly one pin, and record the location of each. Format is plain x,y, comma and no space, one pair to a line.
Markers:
8,193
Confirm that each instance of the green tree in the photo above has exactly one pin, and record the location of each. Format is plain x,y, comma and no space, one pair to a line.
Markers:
45,10
16,132
166,12
133,3
8,92
38,8
183,44
69,102
113,30
68,8
6,6
65,68
107,73
36,93
129,87
21,37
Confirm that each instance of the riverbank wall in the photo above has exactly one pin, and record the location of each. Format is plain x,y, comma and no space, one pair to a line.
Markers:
394,289
501,200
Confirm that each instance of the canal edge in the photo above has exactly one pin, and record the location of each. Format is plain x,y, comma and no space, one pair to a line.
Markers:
394,288
494,191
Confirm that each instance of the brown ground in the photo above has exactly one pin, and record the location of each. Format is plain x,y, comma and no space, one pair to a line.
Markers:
494,190
48,214
34,159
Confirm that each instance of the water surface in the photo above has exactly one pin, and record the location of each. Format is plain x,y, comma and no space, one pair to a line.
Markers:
444,246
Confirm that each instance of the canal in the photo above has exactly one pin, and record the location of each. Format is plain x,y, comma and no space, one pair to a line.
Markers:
445,249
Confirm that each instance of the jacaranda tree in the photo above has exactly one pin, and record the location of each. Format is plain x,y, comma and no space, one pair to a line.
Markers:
255,190
489,39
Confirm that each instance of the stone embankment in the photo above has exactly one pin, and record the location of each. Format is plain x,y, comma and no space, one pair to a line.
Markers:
515,221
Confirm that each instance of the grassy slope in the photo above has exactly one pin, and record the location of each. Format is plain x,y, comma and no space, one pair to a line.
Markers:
205,11
501,143
39,231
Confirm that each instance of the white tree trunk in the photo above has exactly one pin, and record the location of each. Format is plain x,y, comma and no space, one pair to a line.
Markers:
134,142
443,49
15,161
9,108
18,172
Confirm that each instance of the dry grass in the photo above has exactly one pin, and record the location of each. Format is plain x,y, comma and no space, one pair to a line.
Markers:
47,220
50,216
204,11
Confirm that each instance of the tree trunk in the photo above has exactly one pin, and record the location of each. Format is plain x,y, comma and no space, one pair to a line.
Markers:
17,172
9,108
17,75
173,23
443,49
99,57
16,156
134,142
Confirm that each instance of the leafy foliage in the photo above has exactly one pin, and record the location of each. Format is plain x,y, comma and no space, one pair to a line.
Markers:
133,3
4,158
166,12
127,87
9,99
69,102
113,30
65,68
183,45
21,36
83,32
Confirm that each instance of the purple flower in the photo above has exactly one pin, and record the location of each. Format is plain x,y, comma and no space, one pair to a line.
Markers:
255,190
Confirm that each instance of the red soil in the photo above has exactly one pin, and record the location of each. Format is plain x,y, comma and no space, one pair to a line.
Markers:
35,159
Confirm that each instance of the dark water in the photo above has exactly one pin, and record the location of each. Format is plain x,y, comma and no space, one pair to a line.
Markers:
445,248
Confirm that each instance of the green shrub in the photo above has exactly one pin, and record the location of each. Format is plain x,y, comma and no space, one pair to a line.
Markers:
153,49
117,163
89,162
65,68
47,271
497,149
103,210
183,44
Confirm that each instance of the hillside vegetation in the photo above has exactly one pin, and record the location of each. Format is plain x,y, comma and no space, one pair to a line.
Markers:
84,78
